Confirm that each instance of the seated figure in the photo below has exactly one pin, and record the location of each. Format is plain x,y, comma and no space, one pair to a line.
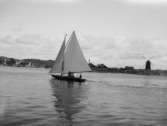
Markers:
70,74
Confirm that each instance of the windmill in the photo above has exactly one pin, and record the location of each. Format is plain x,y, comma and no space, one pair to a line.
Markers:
150,60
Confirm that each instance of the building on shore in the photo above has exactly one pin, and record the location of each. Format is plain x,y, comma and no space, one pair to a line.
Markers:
148,65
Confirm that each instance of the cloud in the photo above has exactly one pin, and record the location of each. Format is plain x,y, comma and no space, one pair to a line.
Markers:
114,51
54,1
124,51
148,1
28,46
67,1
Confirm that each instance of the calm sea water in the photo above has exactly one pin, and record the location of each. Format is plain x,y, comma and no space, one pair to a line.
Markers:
30,97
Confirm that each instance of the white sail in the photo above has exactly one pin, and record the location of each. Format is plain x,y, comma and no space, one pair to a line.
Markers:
59,62
74,60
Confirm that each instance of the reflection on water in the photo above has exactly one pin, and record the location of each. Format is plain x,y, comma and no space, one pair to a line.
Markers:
29,98
68,97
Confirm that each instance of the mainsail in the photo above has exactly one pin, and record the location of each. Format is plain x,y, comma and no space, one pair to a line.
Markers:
70,58
74,60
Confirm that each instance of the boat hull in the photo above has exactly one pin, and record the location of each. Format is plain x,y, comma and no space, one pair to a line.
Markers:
67,78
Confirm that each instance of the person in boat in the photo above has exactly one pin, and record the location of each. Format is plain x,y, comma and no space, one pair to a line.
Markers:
70,74
80,76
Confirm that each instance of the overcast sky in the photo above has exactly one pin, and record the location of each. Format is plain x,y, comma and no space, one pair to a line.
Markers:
113,32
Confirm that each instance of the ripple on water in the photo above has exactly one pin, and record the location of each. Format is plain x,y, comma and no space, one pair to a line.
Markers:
28,97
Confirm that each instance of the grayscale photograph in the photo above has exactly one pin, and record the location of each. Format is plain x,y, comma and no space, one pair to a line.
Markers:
83,62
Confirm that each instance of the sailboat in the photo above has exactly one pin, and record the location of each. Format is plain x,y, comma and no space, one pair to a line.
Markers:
70,60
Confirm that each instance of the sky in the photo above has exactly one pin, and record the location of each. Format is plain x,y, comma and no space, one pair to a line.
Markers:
117,33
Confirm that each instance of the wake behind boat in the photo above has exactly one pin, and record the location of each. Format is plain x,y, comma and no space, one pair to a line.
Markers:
70,60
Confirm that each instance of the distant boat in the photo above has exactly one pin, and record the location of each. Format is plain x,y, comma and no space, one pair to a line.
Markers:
70,60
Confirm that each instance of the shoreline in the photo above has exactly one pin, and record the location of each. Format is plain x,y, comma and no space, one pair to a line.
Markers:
131,72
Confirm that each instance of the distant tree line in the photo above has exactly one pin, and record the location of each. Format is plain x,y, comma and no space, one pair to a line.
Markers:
26,62
104,68
7,61
126,69
38,63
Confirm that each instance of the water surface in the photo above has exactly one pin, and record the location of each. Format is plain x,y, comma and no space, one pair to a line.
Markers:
30,97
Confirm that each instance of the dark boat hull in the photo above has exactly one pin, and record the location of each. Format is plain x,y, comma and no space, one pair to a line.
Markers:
67,78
